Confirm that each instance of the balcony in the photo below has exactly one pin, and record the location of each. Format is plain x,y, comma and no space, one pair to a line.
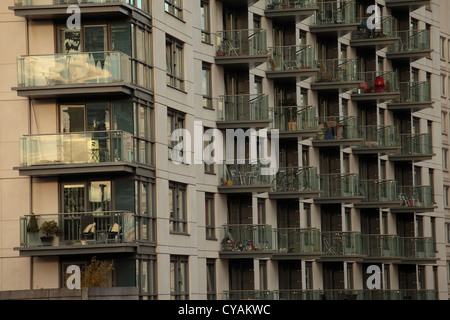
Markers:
415,199
243,111
295,243
338,245
266,295
339,188
113,232
366,38
57,9
407,5
294,183
338,131
335,17
336,74
414,96
76,153
417,249
378,194
378,139
246,241
350,294
241,177
415,147
291,62
295,121
376,86
241,48
290,10
72,75
412,45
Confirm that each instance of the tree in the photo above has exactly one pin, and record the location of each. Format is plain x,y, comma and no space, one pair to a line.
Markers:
96,274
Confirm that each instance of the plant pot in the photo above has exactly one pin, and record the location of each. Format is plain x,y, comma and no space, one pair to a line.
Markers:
47,241
229,183
33,238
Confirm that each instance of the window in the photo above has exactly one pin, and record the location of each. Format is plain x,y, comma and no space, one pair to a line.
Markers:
206,86
146,210
445,159
177,208
444,122
262,275
431,181
446,195
149,279
442,48
179,279
174,63
205,23
175,121
448,232
211,291
210,217
443,85
175,8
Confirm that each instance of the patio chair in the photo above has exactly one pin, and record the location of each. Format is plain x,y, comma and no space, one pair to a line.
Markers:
87,228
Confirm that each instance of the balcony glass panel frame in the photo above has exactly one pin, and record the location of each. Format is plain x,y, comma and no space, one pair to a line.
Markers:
244,107
242,42
247,238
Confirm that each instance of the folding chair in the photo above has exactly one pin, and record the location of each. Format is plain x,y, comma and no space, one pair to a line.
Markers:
87,228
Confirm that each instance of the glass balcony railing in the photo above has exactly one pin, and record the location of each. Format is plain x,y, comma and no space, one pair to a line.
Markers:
339,185
248,295
245,42
73,69
335,13
248,238
302,179
416,197
289,4
381,246
350,294
386,30
410,41
243,174
379,191
99,227
377,82
298,240
417,248
341,243
378,137
288,58
246,107
415,145
137,3
337,70
294,118
414,92
76,148
338,128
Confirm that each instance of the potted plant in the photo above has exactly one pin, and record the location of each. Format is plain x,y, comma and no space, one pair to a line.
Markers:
50,229
33,231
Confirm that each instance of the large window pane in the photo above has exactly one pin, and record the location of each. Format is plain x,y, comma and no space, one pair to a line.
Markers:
124,195
123,116
95,39
98,117
74,198
69,41
121,38
100,196
72,118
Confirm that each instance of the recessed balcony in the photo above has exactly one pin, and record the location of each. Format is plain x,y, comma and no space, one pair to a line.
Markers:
376,86
76,153
98,232
295,121
295,183
335,17
75,74
339,188
57,9
338,131
406,4
336,74
351,294
339,245
415,199
243,111
378,194
378,139
415,147
242,48
243,177
265,295
412,45
290,10
291,62
379,37
414,96
294,242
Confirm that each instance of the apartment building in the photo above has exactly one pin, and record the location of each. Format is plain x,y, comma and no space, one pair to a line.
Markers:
87,123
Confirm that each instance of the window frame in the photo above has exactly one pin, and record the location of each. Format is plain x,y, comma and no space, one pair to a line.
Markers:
176,10
210,217
179,263
178,217
174,48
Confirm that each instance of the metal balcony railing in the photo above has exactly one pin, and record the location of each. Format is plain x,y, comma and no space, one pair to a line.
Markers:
288,58
244,107
294,118
247,238
243,42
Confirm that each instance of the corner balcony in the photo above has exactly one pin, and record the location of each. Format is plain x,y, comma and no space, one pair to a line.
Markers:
366,38
336,74
337,131
295,121
376,86
415,147
72,75
339,188
290,10
291,62
335,17
242,48
246,241
243,111
414,96
241,177
378,139
294,243
114,232
415,199
378,194
411,46
57,9
76,153
295,183
406,4
340,245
